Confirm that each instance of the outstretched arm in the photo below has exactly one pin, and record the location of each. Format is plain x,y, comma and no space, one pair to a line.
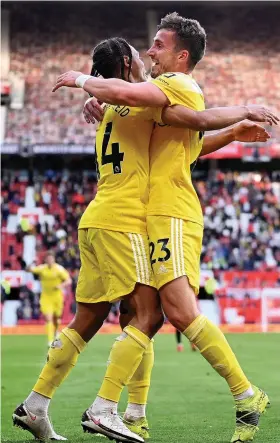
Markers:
115,91
215,118
120,92
244,131
181,116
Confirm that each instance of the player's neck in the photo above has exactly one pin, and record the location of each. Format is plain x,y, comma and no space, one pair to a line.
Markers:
184,71
181,67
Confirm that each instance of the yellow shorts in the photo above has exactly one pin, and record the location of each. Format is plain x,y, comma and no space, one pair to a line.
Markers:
175,248
52,304
111,265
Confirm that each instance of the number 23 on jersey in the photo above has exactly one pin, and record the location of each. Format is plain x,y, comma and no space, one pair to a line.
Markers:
159,249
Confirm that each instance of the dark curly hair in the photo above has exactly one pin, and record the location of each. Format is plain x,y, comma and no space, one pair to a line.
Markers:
108,58
190,35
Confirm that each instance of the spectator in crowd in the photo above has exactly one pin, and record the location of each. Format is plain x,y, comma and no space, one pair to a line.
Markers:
30,307
46,197
49,239
5,210
241,216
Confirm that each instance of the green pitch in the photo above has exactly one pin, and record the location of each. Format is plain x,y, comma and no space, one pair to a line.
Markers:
189,402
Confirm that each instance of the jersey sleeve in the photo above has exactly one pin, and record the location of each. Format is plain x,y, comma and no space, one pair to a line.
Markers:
180,90
36,270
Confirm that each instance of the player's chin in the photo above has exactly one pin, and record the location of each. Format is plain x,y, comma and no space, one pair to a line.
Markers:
155,72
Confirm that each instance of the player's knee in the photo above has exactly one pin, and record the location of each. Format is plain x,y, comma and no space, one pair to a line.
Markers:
151,322
89,319
86,329
181,319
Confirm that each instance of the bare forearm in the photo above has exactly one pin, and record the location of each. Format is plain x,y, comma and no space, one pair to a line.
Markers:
219,118
112,91
118,92
213,142
180,116
208,120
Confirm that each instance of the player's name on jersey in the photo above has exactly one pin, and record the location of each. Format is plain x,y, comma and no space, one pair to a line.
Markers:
123,111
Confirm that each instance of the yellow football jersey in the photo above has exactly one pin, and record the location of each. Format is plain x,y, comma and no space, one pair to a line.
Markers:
122,149
172,151
50,278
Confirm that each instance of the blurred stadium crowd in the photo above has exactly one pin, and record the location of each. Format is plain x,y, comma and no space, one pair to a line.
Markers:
241,216
43,46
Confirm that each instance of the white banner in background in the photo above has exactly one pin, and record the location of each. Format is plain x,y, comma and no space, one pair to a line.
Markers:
16,278
34,215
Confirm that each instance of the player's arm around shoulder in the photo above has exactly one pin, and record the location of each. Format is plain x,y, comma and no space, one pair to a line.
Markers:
187,108
113,91
155,93
215,118
144,94
119,92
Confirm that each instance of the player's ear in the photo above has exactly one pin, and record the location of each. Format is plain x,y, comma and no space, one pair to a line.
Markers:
126,61
183,55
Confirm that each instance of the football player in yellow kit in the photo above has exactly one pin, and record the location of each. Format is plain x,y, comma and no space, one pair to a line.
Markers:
54,278
174,221
114,252
113,163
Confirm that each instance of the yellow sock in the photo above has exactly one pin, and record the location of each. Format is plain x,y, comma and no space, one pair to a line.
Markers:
214,347
125,357
50,331
139,384
61,359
